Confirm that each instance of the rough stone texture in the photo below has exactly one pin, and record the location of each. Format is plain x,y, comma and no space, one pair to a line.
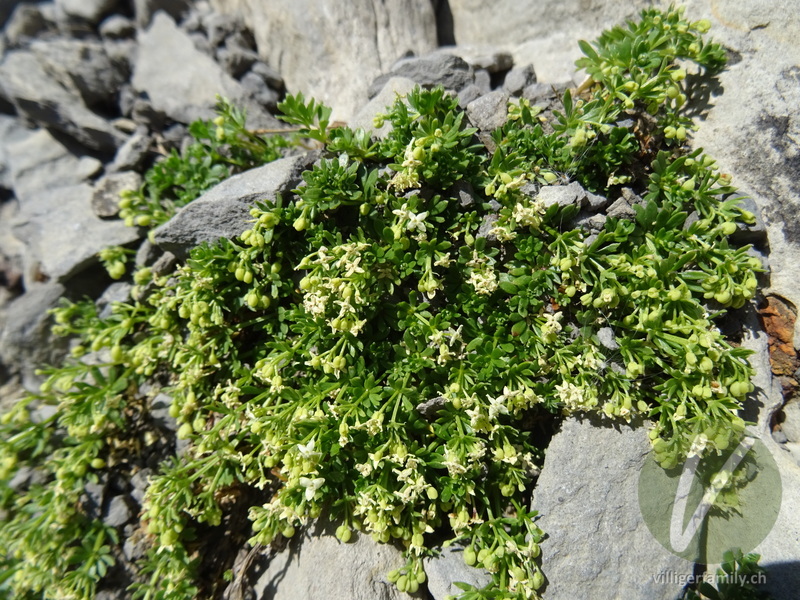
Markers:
25,338
132,153
543,33
25,82
62,233
88,10
11,131
82,65
563,195
449,567
489,112
518,79
378,105
117,27
37,161
598,545
224,210
107,190
316,566
489,58
181,81
118,512
145,9
294,37
433,69
27,20
752,127
780,551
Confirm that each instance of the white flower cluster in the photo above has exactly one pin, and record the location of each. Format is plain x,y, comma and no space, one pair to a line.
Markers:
528,214
576,397
341,291
482,276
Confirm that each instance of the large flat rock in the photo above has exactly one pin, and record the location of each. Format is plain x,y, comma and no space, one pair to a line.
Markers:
224,210
182,81
333,50
316,566
598,545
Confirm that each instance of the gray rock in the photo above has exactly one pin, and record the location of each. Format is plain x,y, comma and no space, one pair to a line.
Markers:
145,9
118,512
791,420
620,209
270,75
631,197
119,291
260,91
430,70
107,190
224,210
449,567
563,195
589,222
179,80
483,80
316,566
749,128
88,10
596,202
780,551
132,153
25,82
606,337
489,58
25,338
489,112
394,87
11,132
37,162
62,233
26,21
587,498
544,33
236,60
332,51
159,411
95,493
82,65
140,481
469,94
117,27
518,79
218,27
750,234
485,229
466,194
540,94
779,436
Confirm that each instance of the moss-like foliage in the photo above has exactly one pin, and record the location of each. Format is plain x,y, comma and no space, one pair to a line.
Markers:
389,344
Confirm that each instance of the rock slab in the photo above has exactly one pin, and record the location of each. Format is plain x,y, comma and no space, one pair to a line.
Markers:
316,566
224,210
598,545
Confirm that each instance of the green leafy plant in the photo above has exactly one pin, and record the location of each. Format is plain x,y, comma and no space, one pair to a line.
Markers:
222,147
736,579
387,345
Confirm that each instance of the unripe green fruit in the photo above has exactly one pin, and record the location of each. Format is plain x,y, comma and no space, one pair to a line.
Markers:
537,580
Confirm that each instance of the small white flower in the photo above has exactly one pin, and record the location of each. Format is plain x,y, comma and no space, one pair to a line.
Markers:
308,450
311,486
416,222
